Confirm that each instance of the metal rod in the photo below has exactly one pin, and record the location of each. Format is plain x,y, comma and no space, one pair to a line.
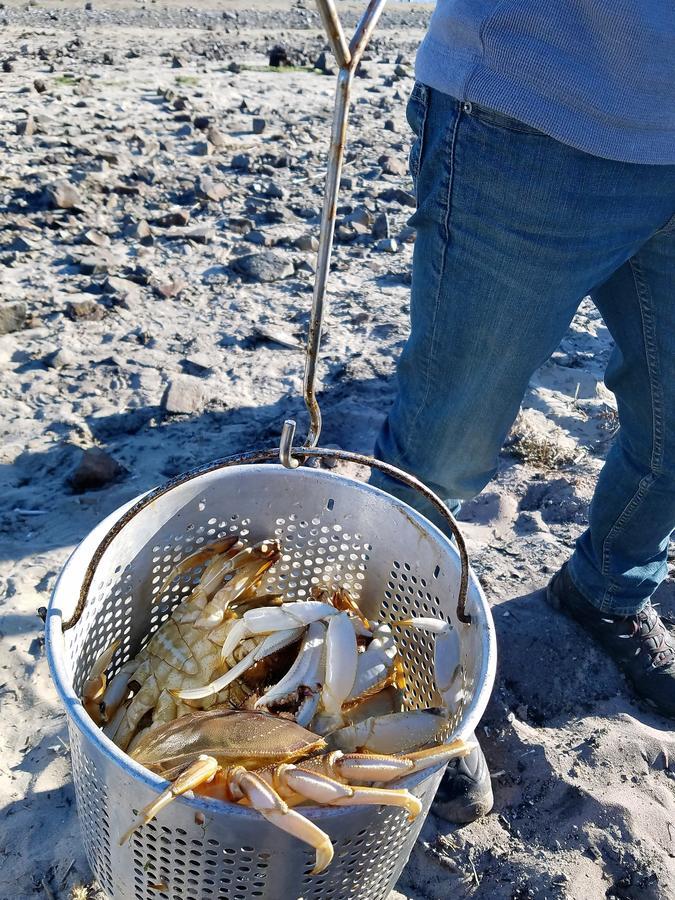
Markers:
348,59
364,30
261,456
336,35
335,158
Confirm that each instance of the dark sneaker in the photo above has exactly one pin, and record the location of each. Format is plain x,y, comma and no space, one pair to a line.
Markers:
640,644
465,792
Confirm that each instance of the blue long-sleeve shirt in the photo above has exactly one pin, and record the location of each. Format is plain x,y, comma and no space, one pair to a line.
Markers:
596,74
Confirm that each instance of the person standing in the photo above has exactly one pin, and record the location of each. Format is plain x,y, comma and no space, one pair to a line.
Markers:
544,171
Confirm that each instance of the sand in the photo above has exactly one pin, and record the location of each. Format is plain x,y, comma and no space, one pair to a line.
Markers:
148,345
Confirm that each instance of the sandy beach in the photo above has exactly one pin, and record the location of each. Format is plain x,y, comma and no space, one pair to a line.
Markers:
161,191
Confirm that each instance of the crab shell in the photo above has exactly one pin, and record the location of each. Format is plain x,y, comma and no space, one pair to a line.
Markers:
256,740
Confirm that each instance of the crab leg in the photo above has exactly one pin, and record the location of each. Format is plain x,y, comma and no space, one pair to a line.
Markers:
376,665
271,644
341,663
394,733
267,620
263,798
327,791
197,558
202,770
447,657
95,685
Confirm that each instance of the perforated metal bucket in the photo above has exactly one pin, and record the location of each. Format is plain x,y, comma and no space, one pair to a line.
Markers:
334,531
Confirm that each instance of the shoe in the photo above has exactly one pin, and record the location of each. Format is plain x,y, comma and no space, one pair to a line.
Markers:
465,791
640,644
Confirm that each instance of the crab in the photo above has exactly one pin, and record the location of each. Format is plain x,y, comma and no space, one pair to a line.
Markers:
342,658
186,650
273,764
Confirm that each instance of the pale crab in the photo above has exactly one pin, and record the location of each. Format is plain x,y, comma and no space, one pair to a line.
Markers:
273,764
342,659
186,650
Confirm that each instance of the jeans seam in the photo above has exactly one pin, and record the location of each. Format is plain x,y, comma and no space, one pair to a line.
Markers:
425,105
656,460
446,241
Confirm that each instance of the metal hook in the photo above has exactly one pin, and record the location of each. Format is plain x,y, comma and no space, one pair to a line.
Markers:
286,445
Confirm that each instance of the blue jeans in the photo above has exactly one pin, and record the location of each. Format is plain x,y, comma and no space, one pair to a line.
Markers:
513,230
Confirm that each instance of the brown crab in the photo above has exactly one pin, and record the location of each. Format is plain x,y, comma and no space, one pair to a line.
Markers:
273,764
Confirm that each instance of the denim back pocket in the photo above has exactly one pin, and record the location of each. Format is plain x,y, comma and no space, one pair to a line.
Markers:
416,113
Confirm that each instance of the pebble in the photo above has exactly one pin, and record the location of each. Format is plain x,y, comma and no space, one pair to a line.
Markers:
392,165
26,127
60,359
209,189
12,316
64,195
95,469
184,396
257,125
265,266
381,226
387,245
84,310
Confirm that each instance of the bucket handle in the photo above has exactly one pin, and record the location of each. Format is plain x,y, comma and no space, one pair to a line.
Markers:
261,456
347,58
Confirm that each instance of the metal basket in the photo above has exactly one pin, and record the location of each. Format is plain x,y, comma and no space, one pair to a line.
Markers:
334,531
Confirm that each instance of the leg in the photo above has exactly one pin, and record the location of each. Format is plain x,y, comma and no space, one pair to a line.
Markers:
513,229
621,559
264,798
202,770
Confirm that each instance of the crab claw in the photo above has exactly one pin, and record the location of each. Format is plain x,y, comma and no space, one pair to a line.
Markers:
271,644
95,685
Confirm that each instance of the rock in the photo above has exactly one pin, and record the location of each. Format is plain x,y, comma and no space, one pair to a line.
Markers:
85,309
201,122
108,58
258,125
64,195
122,291
26,126
201,235
265,266
175,217
279,56
306,242
99,263
12,316
202,148
60,359
392,165
381,226
184,395
199,364
96,238
401,71
140,230
179,62
360,216
397,195
217,138
39,86
387,245
390,125
277,335
208,189
324,64
240,224
95,469
170,289
8,65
